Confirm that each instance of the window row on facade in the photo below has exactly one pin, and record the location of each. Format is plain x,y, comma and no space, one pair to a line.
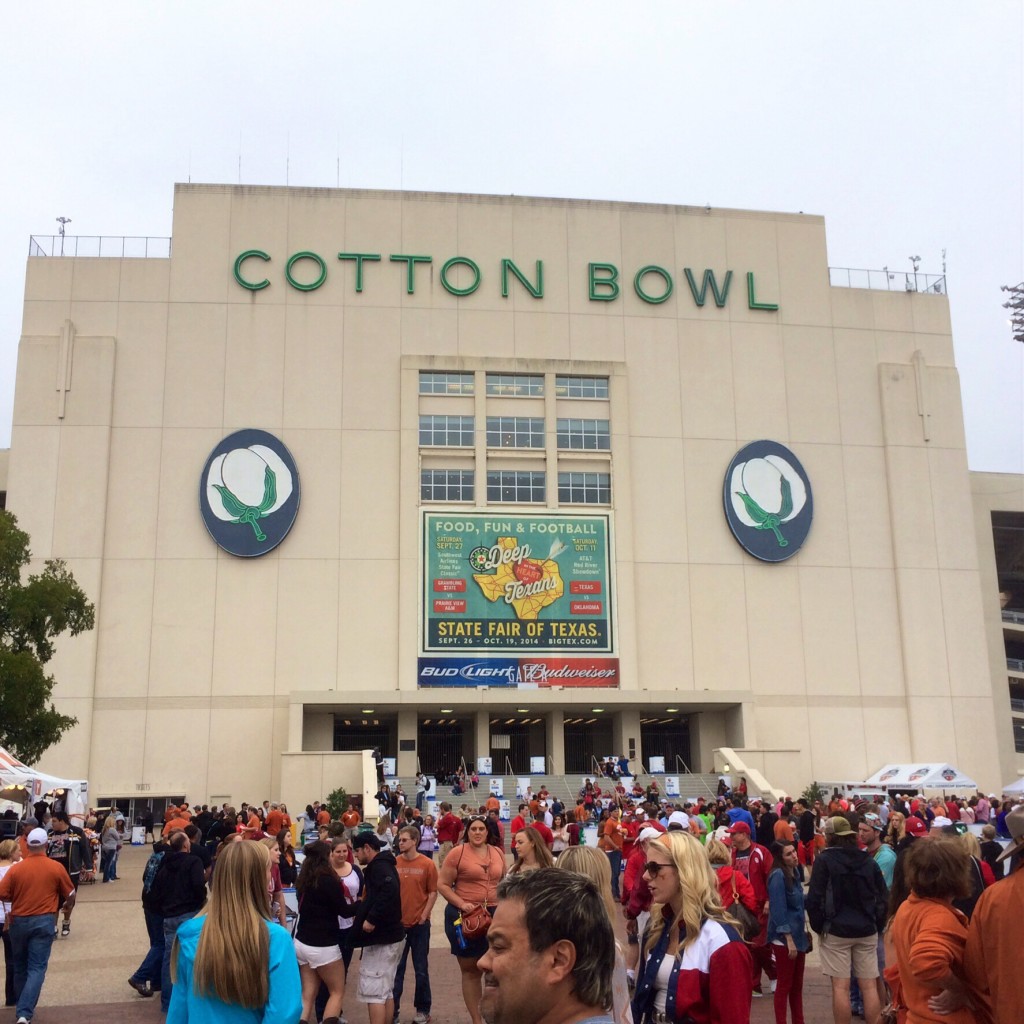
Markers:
512,385
514,432
515,486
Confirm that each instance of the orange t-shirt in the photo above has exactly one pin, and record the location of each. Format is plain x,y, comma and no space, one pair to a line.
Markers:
275,822
33,886
417,879
783,831
323,816
493,803
350,818
581,813
176,823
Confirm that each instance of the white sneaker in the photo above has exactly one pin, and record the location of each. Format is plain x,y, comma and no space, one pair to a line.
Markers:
775,984
421,1018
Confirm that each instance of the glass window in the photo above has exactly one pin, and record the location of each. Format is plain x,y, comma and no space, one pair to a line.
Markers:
446,485
584,488
515,432
581,387
510,486
432,383
1018,723
583,435
515,385
446,430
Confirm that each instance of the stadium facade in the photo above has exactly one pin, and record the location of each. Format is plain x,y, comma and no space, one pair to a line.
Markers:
488,476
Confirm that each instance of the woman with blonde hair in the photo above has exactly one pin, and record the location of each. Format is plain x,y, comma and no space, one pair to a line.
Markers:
897,828
110,843
232,963
531,852
693,963
593,864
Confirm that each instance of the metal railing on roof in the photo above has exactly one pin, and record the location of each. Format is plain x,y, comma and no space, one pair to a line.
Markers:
117,246
887,280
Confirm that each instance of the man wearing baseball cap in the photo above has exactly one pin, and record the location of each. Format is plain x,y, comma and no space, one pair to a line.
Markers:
754,863
33,887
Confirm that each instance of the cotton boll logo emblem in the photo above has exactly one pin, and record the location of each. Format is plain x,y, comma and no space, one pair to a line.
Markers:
768,502
249,493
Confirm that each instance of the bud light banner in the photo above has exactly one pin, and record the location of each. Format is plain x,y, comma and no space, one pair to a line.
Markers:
513,585
524,673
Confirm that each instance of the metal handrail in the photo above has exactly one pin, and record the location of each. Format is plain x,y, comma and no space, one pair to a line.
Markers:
887,280
703,781
113,246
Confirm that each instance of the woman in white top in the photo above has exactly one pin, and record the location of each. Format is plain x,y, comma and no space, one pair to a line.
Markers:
10,854
561,839
351,879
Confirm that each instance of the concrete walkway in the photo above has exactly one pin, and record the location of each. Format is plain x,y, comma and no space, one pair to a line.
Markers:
87,980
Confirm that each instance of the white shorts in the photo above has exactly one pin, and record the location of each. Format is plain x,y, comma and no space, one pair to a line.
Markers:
377,972
316,956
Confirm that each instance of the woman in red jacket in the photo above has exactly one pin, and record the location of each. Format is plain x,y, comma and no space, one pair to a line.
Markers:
694,965
732,886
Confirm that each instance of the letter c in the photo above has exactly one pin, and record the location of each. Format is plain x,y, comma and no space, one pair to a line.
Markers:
253,286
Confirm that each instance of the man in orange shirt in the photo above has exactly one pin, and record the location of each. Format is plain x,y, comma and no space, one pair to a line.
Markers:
275,820
33,887
351,817
492,804
417,878
323,816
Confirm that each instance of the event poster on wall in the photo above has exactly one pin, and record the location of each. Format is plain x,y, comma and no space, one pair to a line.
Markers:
522,600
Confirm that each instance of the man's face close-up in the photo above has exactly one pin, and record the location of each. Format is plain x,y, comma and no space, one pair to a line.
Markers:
510,990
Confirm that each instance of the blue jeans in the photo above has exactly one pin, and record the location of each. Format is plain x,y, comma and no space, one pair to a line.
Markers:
31,939
152,965
615,863
108,864
417,939
171,926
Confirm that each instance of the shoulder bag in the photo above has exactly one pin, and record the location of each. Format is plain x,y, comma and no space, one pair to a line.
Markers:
749,925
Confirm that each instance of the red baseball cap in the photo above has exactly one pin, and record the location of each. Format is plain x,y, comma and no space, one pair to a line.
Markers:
739,826
916,827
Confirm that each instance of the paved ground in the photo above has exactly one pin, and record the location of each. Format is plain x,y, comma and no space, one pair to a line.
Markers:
87,978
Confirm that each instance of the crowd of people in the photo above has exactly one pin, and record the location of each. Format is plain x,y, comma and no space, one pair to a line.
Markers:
907,903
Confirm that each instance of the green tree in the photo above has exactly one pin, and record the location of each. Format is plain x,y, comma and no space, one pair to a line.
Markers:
337,802
33,614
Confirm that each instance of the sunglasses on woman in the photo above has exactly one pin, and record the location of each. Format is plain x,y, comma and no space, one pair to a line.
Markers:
652,867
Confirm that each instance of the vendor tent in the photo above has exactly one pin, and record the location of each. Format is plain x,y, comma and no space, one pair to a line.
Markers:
1015,788
21,783
920,776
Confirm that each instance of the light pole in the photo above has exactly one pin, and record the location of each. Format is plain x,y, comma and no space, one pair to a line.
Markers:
62,221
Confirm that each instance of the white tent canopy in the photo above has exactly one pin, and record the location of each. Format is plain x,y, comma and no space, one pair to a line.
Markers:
1015,788
19,782
920,776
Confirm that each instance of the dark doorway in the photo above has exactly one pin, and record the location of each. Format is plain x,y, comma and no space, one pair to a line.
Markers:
439,745
514,741
585,739
352,733
667,737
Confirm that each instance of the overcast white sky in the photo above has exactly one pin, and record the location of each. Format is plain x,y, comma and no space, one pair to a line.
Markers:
900,123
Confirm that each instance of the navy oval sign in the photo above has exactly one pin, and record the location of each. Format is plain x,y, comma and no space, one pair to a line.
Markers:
249,493
768,501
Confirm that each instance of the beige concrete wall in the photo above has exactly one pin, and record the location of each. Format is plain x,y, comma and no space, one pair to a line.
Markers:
877,629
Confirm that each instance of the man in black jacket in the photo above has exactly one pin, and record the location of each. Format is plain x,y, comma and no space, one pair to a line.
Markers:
378,927
67,844
177,895
846,905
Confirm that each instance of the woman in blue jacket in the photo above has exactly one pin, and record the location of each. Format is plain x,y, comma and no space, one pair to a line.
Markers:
787,931
232,963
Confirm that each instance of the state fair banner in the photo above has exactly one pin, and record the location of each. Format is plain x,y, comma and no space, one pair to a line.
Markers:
522,600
